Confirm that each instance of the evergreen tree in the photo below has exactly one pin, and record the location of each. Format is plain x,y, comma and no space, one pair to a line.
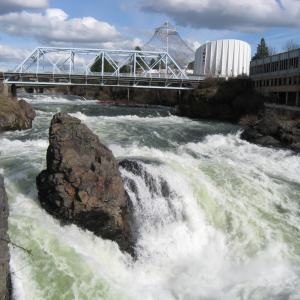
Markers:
97,66
152,62
262,50
140,60
191,65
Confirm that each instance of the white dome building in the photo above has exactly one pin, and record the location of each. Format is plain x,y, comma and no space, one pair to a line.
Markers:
223,58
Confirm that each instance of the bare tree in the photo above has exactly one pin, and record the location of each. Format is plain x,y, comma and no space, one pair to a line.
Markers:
272,50
290,45
213,70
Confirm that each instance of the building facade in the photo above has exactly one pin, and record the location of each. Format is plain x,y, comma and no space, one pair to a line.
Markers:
278,77
224,58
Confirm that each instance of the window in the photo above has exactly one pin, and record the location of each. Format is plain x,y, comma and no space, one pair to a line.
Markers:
293,63
266,68
283,64
274,66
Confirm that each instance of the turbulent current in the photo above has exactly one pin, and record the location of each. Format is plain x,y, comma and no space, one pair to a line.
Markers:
218,218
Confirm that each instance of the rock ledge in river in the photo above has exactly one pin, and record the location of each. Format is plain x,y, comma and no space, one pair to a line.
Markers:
82,183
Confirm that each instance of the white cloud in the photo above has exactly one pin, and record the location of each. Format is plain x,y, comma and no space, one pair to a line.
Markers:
139,32
12,56
192,43
238,15
54,27
8,6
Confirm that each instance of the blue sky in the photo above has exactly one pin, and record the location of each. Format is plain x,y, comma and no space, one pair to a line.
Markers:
116,24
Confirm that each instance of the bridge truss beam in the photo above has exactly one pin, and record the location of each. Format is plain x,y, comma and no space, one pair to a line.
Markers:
74,66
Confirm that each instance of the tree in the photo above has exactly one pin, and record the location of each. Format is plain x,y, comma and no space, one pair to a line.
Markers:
125,69
191,65
97,66
140,61
262,50
290,45
152,62
272,50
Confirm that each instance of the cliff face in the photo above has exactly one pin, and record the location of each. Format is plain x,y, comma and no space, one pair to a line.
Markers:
82,183
5,283
15,115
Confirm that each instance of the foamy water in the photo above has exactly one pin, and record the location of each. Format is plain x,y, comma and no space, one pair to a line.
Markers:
228,227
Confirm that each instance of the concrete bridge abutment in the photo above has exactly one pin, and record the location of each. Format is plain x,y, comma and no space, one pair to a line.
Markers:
9,90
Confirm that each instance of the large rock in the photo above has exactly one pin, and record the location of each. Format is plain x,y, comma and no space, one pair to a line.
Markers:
255,137
270,130
82,183
5,282
15,115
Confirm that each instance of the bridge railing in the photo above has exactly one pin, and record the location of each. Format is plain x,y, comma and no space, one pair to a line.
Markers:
162,75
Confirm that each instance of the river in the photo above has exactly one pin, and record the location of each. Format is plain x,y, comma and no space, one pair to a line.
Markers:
228,228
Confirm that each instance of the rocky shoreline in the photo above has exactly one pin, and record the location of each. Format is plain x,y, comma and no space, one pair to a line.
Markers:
5,280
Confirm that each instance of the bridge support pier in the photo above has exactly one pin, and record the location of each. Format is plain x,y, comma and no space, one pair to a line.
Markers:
5,89
9,90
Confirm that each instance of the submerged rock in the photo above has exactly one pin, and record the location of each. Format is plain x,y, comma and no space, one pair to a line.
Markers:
82,183
5,282
15,115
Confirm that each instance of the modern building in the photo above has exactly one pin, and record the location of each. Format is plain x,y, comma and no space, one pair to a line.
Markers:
225,58
278,77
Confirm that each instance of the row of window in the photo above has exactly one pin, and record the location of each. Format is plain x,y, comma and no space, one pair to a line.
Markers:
277,81
275,66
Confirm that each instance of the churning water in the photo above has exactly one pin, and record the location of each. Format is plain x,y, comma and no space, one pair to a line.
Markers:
219,218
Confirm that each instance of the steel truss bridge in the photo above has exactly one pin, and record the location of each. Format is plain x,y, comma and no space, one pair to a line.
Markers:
51,66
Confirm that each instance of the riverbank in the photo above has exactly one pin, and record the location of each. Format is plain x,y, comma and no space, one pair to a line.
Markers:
5,280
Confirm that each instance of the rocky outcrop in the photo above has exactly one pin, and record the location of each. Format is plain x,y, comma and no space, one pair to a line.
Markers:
82,183
275,128
15,115
253,136
5,282
220,100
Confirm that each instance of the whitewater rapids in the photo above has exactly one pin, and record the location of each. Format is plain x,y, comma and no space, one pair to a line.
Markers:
219,218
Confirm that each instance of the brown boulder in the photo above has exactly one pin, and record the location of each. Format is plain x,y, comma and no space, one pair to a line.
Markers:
82,183
15,115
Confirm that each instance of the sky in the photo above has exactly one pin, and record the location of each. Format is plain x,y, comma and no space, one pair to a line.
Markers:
124,24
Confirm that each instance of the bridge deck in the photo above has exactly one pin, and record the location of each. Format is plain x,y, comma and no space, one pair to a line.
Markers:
157,81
